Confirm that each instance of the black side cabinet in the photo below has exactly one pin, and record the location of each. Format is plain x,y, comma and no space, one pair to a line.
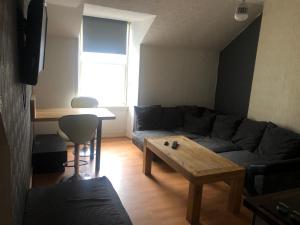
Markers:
281,208
48,154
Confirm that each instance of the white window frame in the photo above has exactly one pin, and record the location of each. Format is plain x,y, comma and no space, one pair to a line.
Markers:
79,77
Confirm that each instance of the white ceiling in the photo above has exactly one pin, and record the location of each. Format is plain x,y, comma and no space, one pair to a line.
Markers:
207,24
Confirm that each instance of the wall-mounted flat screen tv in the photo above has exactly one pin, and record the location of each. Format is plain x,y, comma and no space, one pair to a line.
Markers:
33,56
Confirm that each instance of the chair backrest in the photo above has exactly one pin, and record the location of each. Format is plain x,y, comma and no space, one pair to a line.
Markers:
84,102
79,128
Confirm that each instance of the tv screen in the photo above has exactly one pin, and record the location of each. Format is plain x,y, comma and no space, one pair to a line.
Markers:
35,41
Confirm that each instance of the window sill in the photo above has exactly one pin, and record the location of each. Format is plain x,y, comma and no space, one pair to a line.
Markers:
115,108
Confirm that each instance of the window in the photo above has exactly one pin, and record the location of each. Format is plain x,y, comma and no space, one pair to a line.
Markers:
104,77
103,61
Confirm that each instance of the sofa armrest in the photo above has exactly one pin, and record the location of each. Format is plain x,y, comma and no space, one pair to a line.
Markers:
285,170
251,172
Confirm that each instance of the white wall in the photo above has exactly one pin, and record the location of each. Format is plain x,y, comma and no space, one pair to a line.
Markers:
168,76
177,76
57,85
138,30
275,90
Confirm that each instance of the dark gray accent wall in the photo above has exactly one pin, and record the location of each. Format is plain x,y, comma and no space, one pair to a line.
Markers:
14,113
236,68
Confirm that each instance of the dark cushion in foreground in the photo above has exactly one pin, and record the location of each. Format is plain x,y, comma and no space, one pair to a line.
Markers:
88,202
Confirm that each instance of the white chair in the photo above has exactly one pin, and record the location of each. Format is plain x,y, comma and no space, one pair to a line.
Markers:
83,102
79,130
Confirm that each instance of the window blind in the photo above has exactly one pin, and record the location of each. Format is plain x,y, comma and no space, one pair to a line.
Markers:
104,35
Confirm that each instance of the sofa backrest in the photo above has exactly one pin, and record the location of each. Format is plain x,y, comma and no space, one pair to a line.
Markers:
156,117
278,143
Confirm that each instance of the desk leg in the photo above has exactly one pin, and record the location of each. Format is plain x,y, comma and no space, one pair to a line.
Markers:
194,203
92,149
98,147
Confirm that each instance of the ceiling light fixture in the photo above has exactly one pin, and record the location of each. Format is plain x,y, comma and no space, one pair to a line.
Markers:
241,12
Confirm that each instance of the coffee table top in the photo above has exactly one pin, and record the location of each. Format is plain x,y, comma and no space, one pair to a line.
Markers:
193,160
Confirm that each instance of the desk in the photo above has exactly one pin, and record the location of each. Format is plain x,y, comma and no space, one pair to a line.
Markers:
48,115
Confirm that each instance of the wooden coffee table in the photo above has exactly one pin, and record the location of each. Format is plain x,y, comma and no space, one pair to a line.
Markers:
200,166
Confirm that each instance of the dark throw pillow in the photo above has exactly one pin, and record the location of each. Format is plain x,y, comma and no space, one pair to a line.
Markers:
148,117
201,110
189,109
225,126
249,134
279,143
172,118
198,125
209,112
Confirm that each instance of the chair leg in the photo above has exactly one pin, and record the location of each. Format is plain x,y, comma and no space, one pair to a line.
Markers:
76,159
92,147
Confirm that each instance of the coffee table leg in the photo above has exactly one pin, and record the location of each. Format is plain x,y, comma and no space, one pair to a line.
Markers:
147,163
194,203
235,196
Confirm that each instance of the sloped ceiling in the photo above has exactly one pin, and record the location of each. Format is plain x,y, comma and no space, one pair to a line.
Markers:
206,24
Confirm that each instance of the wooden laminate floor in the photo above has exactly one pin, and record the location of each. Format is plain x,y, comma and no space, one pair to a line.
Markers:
160,200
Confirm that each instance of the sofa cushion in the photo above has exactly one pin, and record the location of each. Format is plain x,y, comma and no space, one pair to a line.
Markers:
172,118
249,134
148,117
139,136
279,143
198,125
201,110
225,126
189,109
244,157
189,135
209,112
216,145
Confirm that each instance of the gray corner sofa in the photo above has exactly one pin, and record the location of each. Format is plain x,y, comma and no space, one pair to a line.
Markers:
269,153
